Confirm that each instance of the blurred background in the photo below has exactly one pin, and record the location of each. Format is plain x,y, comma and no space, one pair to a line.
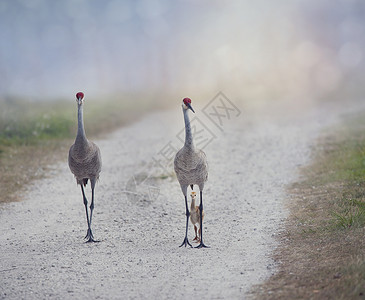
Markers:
134,56
287,49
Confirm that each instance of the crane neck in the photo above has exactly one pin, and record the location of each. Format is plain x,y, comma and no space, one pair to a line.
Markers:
81,136
192,206
188,135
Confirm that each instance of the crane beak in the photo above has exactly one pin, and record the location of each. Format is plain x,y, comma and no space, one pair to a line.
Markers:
189,106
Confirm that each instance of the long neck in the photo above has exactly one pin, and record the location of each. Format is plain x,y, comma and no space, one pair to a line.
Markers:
192,203
188,136
80,129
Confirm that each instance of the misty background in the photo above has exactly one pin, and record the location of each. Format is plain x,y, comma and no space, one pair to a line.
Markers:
292,49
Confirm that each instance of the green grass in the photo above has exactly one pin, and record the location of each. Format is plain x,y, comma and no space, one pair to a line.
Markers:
321,251
345,164
23,123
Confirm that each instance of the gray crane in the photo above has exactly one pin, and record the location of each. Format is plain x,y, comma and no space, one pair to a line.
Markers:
191,168
84,160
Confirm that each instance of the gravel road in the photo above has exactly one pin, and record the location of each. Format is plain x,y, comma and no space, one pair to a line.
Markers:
139,215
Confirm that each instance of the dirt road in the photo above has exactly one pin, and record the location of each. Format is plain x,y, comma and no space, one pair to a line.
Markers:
139,211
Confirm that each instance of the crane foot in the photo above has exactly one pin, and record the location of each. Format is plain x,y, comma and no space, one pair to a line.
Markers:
185,242
201,245
89,236
91,240
196,239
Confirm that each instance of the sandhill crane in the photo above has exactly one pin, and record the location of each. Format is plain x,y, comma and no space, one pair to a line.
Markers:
195,216
84,160
191,168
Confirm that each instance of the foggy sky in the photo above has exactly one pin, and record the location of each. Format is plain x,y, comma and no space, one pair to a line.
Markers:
54,48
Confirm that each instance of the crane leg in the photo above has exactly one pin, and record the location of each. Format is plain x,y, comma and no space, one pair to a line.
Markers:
201,245
196,234
92,202
89,234
92,209
186,241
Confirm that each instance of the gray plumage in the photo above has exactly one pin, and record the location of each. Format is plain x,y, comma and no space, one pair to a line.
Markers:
84,160
191,168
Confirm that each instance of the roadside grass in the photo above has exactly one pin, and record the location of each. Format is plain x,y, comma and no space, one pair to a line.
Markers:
321,252
33,135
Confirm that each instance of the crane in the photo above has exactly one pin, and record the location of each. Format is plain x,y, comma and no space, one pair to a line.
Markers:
84,160
191,168
195,216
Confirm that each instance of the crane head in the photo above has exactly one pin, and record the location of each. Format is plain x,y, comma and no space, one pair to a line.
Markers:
193,195
80,98
187,104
